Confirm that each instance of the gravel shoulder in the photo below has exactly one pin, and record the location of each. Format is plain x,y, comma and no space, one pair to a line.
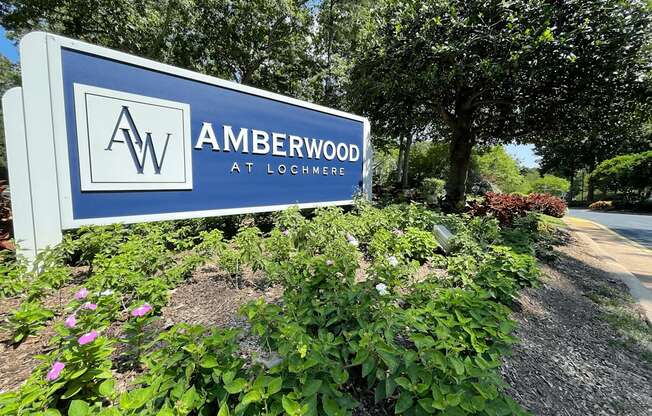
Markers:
584,345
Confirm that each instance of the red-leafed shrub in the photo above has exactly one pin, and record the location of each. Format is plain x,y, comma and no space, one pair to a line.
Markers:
506,207
503,207
546,204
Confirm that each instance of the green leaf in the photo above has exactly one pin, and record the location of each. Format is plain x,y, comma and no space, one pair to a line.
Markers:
236,386
275,386
404,402
403,382
209,361
79,408
311,387
224,410
330,406
106,388
252,397
290,406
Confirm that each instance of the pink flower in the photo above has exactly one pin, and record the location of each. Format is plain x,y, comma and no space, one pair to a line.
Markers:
141,310
398,232
91,306
81,294
71,321
286,232
86,338
54,372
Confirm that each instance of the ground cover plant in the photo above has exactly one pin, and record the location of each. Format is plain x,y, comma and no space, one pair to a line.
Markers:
341,337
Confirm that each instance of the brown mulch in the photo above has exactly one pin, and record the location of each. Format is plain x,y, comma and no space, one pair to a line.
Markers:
18,361
212,298
569,361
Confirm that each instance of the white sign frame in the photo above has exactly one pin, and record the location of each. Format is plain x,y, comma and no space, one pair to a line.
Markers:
45,143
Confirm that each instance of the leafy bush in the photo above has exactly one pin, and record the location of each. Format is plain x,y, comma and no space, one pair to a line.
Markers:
507,207
626,174
602,206
546,204
29,318
432,190
551,185
338,337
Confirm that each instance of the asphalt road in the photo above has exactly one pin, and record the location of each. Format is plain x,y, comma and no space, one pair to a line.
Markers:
633,226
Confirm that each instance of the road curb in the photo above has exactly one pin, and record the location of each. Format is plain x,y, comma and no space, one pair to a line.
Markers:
642,295
628,240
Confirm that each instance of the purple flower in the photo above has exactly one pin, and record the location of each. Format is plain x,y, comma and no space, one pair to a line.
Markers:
91,306
86,338
54,372
286,232
329,262
71,321
141,310
398,232
81,294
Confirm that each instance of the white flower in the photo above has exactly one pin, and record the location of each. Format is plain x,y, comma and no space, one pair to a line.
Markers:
107,292
393,261
351,239
329,262
382,289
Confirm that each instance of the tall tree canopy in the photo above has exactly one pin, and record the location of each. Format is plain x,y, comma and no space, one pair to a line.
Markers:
494,71
263,43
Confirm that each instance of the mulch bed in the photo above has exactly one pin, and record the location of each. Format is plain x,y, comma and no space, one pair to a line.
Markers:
569,360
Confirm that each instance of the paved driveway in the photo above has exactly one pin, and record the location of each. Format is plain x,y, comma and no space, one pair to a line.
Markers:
633,226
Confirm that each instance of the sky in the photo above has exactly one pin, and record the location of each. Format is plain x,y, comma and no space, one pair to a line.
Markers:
523,153
7,48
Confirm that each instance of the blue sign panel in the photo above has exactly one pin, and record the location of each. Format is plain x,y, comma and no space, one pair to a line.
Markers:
244,150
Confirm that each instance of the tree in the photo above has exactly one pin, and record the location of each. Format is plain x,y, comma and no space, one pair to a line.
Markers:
486,72
552,185
630,175
263,43
499,168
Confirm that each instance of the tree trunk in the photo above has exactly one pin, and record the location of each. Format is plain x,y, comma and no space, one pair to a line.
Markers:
406,162
460,160
399,162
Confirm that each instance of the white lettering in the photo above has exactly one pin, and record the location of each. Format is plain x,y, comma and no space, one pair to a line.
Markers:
207,136
296,143
329,154
315,170
260,138
269,170
294,169
242,140
235,167
249,166
305,170
277,143
341,171
355,158
313,148
342,151
282,169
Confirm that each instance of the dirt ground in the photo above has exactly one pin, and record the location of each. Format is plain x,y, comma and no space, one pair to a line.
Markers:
570,360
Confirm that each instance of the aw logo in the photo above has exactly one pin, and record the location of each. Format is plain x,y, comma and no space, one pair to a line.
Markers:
126,132
131,142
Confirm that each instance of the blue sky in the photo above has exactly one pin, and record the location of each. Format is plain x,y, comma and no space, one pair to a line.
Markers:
7,48
523,153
